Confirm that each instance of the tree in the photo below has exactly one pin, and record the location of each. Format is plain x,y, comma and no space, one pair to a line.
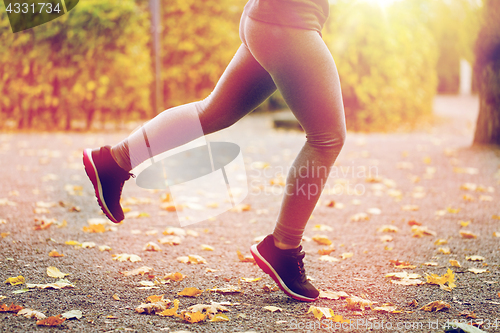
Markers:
487,71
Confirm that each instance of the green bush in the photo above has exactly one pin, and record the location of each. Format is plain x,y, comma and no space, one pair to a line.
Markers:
386,59
94,60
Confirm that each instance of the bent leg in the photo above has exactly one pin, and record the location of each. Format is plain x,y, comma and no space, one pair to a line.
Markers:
243,86
305,73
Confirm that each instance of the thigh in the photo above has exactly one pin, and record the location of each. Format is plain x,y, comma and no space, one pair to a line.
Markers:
244,85
304,71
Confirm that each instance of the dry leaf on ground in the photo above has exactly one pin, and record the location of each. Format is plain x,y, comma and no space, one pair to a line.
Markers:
322,240
243,258
192,259
175,276
125,257
435,306
11,308
16,280
192,317
141,270
51,321
55,272
357,303
190,292
30,313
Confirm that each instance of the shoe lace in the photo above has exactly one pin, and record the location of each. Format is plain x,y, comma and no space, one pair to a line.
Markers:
300,265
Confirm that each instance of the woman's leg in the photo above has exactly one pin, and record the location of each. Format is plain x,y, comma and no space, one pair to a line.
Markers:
243,86
305,73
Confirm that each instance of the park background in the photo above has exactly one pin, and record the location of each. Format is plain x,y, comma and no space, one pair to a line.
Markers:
94,67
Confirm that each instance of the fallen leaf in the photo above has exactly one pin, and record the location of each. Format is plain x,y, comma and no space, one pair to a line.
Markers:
103,248
72,314
474,258
448,278
87,245
328,258
454,263
322,227
402,275
441,241
51,321
11,308
430,263
30,313
192,259
322,240
243,258
192,317
408,282
467,234
402,264
452,210
171,312
151,246
320,312
14,281
477,270
251,279
326,250
95,228
226,290
170,240
156,307
59,284
174,276
386,309
138,271
124,257
461,327
272,308
435,306
116,297
55,272
420,231
54,253
347,255
332,294
444,250
190,292
220,317
386,238
357,303
72,242
388,228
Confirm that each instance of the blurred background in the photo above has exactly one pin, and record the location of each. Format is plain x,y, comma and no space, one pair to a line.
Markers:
95,66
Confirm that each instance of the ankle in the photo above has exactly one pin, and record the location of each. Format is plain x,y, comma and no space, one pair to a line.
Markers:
284,246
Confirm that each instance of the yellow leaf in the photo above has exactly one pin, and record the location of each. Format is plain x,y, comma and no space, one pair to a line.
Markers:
453,210
454,263
243,258
116,297
104,248
190,292
388,228
193,317
220,317
72,242
448,278
174,276
54,253
206,247
171,312
154,298
420,231
322,227
441,241
444,250
151,246
320,312
125,257
251,279
322,240
15,280
347,255
55,272
192,259
95,228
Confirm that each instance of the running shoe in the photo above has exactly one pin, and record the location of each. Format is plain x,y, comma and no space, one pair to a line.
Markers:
108,179
286,268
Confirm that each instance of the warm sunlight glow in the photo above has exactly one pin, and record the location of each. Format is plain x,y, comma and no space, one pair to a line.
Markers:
382,3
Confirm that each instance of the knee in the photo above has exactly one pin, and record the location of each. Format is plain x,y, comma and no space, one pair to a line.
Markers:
328,143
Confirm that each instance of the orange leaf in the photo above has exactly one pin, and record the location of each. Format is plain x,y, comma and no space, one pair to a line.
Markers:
177,276
96,228
154,298
190,292
54,253
10,308
51,321
244,258
193,317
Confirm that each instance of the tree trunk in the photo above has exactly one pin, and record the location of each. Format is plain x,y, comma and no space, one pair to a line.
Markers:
487,69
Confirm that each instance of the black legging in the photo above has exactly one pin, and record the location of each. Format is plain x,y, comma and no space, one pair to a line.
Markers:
299,64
